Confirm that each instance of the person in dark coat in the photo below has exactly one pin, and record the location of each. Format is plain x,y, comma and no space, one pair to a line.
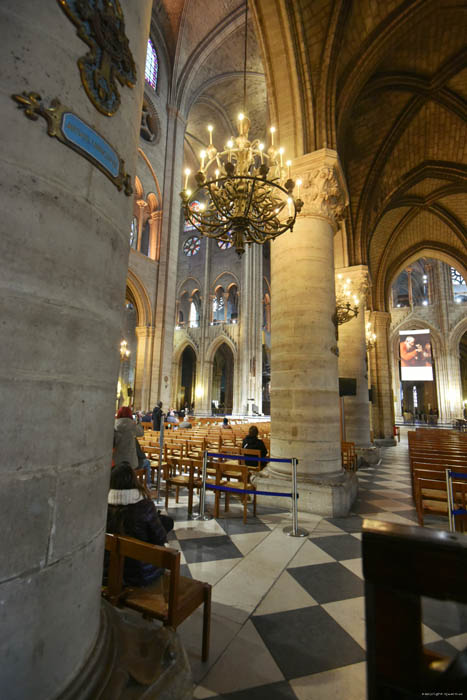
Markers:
131,512
157,416
253,442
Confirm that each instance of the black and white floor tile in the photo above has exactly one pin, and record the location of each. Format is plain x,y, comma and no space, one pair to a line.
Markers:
288,613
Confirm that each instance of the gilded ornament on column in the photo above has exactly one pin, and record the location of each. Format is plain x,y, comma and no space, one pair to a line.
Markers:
100,24
322,195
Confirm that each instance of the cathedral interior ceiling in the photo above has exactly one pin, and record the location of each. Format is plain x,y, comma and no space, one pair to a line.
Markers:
383,83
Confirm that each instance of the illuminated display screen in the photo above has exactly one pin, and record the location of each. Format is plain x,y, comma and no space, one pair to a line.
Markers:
415,356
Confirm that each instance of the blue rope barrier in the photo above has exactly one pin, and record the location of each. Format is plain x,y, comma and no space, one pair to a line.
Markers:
459,511
249,458
214,487
456,475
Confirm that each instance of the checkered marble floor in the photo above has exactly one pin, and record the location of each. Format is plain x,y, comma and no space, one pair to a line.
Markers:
288,613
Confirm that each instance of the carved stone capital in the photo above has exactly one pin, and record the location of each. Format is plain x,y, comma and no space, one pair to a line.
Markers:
323,188
322,195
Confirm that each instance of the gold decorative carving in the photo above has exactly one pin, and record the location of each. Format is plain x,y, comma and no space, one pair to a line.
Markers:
100,24
56,116
322,195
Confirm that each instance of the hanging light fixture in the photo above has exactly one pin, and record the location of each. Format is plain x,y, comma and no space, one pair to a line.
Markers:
245,192
124,351
345,311
370,336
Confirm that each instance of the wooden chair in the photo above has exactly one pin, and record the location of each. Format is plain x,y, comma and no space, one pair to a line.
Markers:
349,456
237,477
188,476
171,599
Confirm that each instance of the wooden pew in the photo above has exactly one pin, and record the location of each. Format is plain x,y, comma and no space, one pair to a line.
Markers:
400,565
171,599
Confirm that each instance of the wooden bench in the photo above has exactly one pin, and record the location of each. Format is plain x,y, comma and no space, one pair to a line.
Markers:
171,599
400,565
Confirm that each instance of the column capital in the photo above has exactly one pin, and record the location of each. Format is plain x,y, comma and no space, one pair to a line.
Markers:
144,331
155,215
323,189
381,318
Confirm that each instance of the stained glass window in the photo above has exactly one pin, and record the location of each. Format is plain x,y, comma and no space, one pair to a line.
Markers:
224,245
194,206
152,65
457,277
191,246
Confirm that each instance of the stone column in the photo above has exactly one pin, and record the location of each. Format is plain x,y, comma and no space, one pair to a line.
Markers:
167,280
250,356
145,336
304,376
383,404
204,368
142,206
155,221
64,249
353,362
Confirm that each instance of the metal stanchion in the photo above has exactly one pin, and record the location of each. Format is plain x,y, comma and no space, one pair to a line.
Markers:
293,530
161,446
202,496
450,500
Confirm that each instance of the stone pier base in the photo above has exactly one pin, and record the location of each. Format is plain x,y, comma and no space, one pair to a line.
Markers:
327,495
133,658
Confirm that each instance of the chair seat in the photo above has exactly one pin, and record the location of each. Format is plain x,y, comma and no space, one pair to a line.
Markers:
153,600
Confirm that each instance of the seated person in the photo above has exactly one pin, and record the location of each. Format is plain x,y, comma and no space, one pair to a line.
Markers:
253,442
225,424
131,512
146,418
171,417
185,424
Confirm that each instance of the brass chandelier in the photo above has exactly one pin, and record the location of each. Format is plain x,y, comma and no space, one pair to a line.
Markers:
345,311
243,194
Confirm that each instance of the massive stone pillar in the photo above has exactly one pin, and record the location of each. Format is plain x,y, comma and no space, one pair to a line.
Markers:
353,362
304,375
383,404
63,258
145,336
167,279
250,364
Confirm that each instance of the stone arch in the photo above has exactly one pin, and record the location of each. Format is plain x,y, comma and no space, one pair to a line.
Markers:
455,336
139,191
140,296
389,273
215,345
229,279
190,285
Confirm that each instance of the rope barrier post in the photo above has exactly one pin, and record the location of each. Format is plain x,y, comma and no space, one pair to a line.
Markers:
294,530
202,496
450,500
161,445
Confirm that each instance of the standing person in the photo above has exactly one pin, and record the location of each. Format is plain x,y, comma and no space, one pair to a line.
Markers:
131,512
253,442
126,432
157,416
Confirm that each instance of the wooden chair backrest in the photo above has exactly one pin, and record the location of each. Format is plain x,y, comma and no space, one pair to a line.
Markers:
161,557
